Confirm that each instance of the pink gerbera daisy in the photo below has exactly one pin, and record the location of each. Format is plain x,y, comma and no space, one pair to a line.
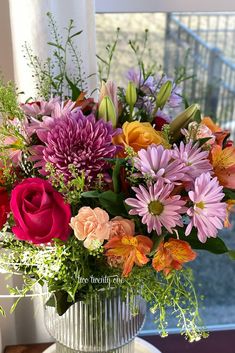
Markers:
156,163
208,212
193,157
156,207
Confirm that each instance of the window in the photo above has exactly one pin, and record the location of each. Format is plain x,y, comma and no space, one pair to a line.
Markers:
128,6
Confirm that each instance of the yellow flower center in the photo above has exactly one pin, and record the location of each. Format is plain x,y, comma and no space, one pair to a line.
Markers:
155,208
200,205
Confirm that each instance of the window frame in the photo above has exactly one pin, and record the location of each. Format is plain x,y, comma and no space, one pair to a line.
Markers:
131,6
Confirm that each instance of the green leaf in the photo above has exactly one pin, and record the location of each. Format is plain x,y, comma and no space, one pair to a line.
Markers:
197,116
99,57
2,311
91,194
75,34
213,245
229,194
186,102
231,254
75,90
60,302
112,203
156,242
51,301
116,176
56,45
59,77
203,140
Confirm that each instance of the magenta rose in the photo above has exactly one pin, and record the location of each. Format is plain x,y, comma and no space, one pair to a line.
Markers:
39,211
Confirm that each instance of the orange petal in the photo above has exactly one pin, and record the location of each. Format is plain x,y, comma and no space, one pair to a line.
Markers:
140,258
180,250
220,136
162,259
128,264
145,244
171,255
210,124
223,161
230,209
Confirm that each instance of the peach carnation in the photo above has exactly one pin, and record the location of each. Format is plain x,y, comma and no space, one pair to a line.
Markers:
92,226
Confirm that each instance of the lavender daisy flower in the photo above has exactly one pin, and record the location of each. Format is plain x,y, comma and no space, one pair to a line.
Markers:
80,141
147,86
156,163
208,212
156,207
145,103
193,157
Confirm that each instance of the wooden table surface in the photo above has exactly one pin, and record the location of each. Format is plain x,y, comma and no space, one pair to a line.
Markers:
34,348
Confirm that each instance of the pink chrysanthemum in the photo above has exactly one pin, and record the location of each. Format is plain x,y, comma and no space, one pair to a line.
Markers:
156,163
156,207
193,157
208,212
76,140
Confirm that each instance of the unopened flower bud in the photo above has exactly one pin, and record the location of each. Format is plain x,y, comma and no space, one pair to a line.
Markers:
131,94
163,94
107,111
182,120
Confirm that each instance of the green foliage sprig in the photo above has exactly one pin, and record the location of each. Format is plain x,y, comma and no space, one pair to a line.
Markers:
9,106
53,77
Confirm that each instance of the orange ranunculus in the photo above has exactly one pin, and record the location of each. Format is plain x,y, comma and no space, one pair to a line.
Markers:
139,135
132,249
121,226
223,162
230,208
210,124
171,255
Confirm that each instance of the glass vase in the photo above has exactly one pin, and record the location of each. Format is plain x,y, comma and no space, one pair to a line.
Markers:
105,322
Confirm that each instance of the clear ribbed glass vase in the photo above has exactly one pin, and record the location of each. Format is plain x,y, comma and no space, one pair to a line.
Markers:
104,323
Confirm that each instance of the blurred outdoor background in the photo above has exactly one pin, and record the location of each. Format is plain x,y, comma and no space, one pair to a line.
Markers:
202,43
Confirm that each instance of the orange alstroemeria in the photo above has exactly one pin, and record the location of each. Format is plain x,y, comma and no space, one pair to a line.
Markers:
230,209
171,255
210,124
223,162
132,249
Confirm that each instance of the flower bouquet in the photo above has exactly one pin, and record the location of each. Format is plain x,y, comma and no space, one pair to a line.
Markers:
104,201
